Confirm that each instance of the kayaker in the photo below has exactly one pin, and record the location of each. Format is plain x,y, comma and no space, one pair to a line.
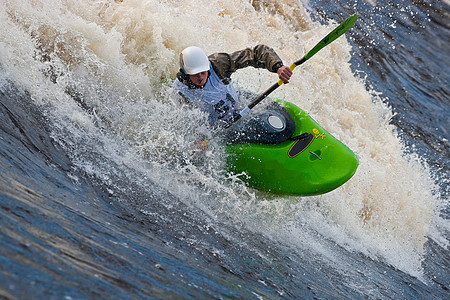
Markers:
205,80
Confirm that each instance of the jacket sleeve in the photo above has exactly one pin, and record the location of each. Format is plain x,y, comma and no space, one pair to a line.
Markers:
261,56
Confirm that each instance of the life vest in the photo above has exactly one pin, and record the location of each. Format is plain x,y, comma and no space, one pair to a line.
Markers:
216,98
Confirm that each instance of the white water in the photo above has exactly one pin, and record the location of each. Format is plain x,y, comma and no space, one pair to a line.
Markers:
122,57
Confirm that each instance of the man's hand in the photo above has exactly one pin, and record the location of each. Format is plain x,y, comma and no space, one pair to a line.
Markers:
284,73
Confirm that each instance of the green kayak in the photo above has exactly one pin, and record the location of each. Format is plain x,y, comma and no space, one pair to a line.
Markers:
287,152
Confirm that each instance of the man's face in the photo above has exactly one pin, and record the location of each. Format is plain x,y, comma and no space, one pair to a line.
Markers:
199,78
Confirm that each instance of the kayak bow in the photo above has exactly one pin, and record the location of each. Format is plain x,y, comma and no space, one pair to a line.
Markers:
311,162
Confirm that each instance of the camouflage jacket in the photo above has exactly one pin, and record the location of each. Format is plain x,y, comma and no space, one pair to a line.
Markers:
261,56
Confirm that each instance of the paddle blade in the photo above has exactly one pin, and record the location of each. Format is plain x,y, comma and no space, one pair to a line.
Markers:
337,32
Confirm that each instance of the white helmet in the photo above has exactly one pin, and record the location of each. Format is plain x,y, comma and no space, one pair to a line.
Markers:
193,60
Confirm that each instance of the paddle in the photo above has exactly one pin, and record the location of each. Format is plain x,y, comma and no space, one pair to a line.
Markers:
337,32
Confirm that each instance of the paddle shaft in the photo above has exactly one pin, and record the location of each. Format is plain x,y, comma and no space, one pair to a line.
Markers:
275,85
337,32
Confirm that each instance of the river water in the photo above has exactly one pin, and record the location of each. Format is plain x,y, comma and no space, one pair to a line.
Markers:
102,195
